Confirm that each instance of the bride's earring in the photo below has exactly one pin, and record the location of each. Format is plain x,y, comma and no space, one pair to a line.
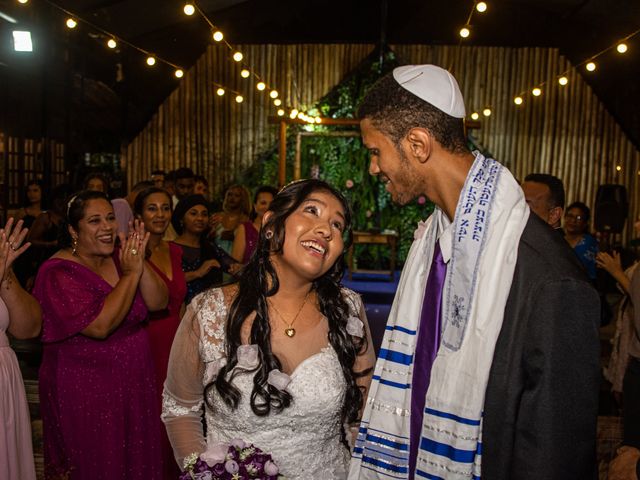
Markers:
268,234
74,245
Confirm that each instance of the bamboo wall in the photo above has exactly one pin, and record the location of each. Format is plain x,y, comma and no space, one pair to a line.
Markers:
565,132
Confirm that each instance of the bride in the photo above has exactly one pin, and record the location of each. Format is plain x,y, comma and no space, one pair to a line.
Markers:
283,358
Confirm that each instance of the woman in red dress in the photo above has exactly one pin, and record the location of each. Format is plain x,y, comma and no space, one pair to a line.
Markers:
153,207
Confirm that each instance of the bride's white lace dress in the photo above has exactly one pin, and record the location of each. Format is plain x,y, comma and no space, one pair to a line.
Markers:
304,439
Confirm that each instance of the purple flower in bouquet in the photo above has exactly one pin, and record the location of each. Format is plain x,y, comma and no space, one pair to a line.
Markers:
234,461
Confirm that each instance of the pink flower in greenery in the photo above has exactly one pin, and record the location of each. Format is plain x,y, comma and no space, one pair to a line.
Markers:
422,200
368,213
349,183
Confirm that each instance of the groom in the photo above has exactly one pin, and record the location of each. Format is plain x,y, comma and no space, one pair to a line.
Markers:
489,364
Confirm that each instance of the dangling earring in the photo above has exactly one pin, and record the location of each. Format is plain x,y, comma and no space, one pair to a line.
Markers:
74,246
268,234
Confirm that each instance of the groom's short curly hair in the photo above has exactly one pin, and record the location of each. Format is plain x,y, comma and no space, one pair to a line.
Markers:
394,111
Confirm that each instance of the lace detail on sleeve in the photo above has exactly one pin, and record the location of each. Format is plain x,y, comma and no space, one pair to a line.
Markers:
212,317
172,407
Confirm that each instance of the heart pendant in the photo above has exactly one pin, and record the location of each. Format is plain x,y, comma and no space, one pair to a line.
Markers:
290,332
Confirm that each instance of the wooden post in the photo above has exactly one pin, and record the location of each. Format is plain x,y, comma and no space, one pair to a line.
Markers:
282,165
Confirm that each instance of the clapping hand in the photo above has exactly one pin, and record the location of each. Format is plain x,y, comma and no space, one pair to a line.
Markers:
610,263
11,247
132,252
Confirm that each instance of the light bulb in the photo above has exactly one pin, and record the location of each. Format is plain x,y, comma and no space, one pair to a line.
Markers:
71,23
280,112
301,116
261,86
273,94
465,32
475,116
179,73
536,92
277,102
517,100
218,36
294,113
481,7
239,98
486,112
318,120
220,92
590,66
618,168
23,1
238,56
111,43
563,80
189,9
245,73
151,61
622,47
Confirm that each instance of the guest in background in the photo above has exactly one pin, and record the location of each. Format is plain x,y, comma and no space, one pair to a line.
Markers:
47,228
31,204
545,196
576,232
97,385
20,316
203,262
26,265
170,185
235,210
246,235
153,208
157,177
96,182
185,181
201,186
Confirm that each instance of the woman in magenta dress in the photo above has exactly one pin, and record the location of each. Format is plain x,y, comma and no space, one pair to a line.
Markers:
97,382
20,316
153,207
246,235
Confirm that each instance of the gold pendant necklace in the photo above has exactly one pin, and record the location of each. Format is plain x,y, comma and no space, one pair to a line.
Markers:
290,331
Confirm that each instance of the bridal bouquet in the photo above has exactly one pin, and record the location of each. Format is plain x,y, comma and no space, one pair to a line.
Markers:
234,461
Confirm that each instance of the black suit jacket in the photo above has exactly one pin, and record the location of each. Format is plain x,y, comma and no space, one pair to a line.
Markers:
541,401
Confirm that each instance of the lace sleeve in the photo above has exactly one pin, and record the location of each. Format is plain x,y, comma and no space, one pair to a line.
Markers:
197,343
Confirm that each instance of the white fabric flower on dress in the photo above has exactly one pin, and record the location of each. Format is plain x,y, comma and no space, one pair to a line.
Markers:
419,233
355,327
248,357
278,379
215,453
213,368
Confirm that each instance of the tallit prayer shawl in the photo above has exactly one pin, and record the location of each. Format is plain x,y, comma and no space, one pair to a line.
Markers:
483,240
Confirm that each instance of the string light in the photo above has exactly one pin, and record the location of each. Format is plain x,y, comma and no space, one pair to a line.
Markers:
151,61
318,120
245,73
179,73
563,80
622,47
23,1
475,116
280,112
238,56
189,9
273,94
536,92
239,99
111,43
486,112
618,168
518,100
218,36
220,92
277,102
591,66
261,86
481,7
465,32
71,23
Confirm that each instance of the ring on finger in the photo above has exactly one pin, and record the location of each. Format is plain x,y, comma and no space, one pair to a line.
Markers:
134,251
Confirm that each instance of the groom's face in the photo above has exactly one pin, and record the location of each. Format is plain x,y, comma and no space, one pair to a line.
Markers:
390,164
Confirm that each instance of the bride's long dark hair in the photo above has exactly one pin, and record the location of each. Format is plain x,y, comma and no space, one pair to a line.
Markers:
259,281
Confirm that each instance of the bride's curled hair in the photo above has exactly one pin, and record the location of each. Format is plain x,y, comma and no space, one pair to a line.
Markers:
258,281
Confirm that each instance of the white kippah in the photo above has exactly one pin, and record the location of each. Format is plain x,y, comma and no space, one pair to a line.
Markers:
434,85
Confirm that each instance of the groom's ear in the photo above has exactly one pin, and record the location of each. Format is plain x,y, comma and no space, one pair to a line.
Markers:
419,144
